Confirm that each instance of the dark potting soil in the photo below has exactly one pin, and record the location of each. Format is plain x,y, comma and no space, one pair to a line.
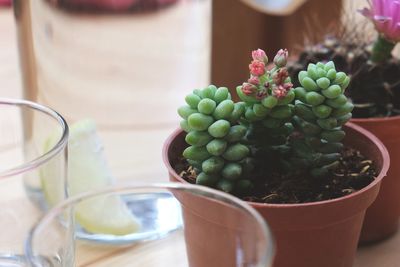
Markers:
355,172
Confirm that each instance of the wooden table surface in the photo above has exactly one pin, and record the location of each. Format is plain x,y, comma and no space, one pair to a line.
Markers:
384,254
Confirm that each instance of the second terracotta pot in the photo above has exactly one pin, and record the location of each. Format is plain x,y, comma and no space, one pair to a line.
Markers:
324,233
382,218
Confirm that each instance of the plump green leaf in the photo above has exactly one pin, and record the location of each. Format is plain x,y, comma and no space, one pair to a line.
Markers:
199,122
217,147
219,129
236,152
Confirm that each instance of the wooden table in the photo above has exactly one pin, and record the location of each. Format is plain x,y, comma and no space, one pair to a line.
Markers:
384,254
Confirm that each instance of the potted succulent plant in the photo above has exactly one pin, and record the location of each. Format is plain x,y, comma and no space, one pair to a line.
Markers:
289,153
375,92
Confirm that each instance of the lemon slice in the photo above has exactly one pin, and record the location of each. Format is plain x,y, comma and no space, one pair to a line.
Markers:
88,170
106,215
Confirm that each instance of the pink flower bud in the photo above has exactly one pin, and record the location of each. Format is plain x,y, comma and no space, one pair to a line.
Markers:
281,75
281,57
254,80
248,88
260,55
257,68
261,94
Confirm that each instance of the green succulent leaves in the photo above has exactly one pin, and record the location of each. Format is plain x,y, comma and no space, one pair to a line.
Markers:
222,135
321,110
214,136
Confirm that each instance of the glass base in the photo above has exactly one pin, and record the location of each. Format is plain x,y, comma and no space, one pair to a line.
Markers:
158,213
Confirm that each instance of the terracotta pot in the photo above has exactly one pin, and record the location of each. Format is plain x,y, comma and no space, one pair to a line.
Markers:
215,231
314,234
382,217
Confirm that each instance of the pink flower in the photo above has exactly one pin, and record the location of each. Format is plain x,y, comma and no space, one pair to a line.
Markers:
259,55
281,57
281,91
254,80
248,88
257,68
385,14
288,86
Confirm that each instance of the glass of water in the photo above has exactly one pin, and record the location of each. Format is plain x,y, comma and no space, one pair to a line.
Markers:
152,225
33,152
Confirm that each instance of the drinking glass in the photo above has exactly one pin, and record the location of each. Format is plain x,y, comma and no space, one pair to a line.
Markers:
27,160
184,225
125,64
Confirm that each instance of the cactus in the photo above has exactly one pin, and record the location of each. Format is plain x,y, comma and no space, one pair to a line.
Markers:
210,119
321,109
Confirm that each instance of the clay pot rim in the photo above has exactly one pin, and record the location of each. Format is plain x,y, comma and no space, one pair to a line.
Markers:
375,119
372,138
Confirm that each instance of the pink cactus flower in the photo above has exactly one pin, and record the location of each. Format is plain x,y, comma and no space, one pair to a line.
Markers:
260,55
257,68
281,57
254,80
248,88
385,14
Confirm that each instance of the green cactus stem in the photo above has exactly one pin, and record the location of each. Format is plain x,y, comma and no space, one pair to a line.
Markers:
214,136
382,50
321,109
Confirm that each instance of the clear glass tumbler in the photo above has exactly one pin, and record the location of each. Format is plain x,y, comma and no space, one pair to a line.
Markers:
176,224
125,64
28,160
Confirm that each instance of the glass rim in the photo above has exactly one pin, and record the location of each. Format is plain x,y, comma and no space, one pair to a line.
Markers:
45,157
266,258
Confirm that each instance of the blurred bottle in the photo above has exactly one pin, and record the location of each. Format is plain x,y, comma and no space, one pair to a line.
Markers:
5,2
126,64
